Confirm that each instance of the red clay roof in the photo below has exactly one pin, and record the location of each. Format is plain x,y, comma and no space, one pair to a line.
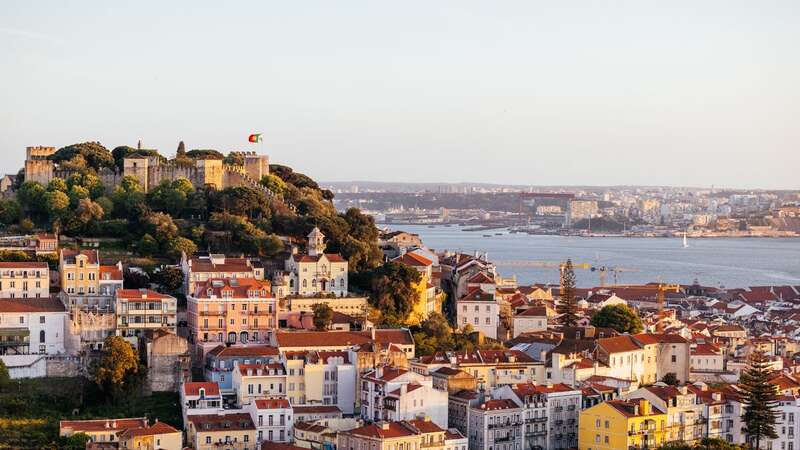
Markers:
332,257
327,339
659,338
273,403
533,389
618,344
111,272
250,350
316,409
110,425
534,311
498,404
233,288
23,265
141,294
413,259
20,305
152,430
221,422
68,255
193,388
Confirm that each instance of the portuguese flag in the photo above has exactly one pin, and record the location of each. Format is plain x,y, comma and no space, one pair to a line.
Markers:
254,138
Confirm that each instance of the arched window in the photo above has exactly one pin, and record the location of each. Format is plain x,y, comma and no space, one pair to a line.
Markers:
243,337
304,283
232,337
314,282
41,337
333,283
219,337
291,283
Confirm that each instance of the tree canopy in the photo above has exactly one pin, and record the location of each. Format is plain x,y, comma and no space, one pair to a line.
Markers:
323,316
568,307
760,400
83,156
619,317
118,368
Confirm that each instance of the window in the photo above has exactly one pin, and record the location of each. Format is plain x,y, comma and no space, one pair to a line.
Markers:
208,439
674,358
606,424
597,423
41,319
41,336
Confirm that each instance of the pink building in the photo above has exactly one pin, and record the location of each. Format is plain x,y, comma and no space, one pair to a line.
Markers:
230,310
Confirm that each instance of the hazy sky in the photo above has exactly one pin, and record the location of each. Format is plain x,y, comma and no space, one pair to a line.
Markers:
560,92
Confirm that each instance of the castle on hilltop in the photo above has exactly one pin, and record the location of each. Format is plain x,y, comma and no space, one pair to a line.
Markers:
150,171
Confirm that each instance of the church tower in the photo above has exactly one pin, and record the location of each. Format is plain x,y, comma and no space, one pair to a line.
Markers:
316,242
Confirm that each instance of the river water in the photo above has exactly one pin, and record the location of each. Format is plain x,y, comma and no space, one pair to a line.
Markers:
728,262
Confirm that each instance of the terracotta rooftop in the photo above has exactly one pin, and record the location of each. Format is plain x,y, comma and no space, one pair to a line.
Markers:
328,339
23,265
222,351
618,344
22,305
141,294
193,388
222,422
498,404
110,425
273,403
68,255
152,430
413,259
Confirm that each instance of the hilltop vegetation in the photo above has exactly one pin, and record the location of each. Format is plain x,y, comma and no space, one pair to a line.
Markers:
175,216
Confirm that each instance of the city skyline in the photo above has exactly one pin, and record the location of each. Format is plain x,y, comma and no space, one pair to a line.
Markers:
527,93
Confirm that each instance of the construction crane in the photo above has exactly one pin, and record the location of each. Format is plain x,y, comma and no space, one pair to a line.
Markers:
602,270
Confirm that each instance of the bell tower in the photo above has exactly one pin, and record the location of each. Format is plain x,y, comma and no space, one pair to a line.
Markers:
316,242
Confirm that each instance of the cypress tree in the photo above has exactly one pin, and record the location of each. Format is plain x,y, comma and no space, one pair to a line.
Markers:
181,150
760,400
568,307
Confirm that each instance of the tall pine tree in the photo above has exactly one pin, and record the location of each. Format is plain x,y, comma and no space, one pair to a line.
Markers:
568,307
181,150
760,400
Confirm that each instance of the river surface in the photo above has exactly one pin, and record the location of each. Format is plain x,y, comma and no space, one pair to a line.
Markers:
727,262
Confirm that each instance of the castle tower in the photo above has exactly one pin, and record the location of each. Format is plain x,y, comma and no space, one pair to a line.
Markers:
37,167
316,242
256,166
137,167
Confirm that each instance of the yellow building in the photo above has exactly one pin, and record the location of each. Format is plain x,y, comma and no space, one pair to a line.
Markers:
79,271
125,434
215,431
621,425
428,298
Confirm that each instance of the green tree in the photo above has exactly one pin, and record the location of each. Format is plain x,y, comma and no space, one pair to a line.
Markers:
134,279
10,211
204,154
392,293
148,246
273,183
179,245
434,335
323,316
619,317
88,212
118,367
57,204
57,184
181,153
568,305
93,153
760,400
75,442
5,378
160,226
170,279
671,379
31,197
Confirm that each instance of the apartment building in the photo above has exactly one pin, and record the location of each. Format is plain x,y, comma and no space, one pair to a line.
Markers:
230,310
24,280
215,266
200,398
480,311
490,368
221,360
138,310
32,325
496,424
259,381
410,434
622,425
125,434
393,394
685,419
79,271
273,419
214,431
550,413
322,378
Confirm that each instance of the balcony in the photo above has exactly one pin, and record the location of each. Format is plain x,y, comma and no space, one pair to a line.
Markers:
536,420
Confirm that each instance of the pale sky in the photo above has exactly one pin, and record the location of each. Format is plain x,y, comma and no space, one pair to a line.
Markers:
561,92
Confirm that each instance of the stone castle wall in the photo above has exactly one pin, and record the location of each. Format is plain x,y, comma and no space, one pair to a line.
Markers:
151,172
